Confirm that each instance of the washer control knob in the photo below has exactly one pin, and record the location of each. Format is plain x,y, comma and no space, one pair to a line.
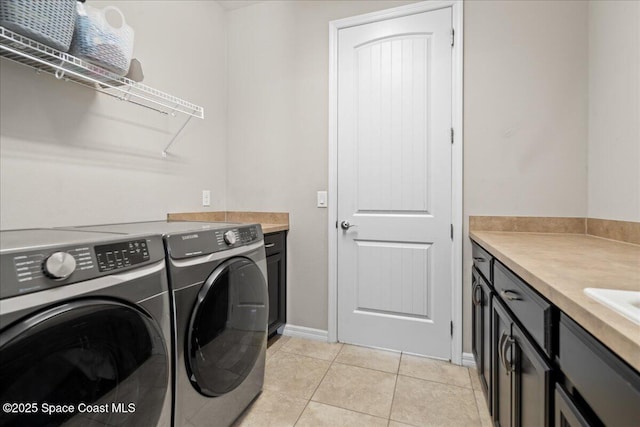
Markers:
59,265
230,237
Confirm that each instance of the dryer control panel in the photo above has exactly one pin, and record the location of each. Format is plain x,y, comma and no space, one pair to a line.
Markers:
236,237
204,242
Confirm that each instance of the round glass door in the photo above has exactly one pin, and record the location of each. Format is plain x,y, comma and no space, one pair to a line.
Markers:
85,363
228,327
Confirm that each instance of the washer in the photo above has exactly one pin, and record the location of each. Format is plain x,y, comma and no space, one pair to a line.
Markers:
85,334
218,277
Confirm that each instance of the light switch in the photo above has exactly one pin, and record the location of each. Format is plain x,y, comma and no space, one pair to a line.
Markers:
206,198
322,199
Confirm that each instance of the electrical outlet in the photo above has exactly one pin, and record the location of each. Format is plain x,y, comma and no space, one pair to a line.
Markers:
206,198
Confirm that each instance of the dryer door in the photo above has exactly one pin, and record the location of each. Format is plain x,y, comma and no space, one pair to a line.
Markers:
228,327
85,363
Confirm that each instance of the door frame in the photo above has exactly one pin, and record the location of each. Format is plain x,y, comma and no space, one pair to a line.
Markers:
457,158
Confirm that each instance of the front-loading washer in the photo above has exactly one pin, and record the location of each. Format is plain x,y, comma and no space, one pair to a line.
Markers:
85,334
218,279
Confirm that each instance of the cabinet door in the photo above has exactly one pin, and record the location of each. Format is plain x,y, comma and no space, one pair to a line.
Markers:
273,273
276,251
476,320
485,303
501,384
531,381
609,388
481,327
566,413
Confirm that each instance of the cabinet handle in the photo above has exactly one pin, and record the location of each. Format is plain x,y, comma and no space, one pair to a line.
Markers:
269,245
510,295
505,342
501,341
508,364
474,298
479,259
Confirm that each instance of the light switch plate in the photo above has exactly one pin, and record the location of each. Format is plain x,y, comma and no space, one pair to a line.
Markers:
322,199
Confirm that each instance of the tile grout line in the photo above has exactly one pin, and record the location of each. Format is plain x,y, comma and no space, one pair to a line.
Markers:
475,399
394,394
350,410
438,382
318,386
364,367
301,412
395,386
307,355
393,398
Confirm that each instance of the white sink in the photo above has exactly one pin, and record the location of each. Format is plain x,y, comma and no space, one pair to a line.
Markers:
626,303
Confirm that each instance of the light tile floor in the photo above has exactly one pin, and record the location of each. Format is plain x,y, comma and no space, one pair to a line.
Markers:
311,383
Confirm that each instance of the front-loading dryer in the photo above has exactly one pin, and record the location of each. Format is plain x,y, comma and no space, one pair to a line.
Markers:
218,278
85,333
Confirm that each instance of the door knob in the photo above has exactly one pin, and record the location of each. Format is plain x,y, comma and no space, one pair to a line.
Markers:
346,225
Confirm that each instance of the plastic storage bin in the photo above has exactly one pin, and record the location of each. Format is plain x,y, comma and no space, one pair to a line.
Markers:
48,22
98,42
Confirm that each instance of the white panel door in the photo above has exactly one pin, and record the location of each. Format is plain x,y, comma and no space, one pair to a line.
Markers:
394,184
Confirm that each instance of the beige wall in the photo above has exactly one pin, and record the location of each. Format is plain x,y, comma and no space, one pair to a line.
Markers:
525,121
614,110
525,114
70,156
278,131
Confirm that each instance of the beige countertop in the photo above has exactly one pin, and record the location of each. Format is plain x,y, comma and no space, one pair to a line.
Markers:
560,266
271,222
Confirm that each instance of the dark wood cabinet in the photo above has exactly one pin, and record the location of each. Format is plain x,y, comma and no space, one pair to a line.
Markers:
522,374
481,330
276,251
567,413
530,308
501,380
586,385
606,390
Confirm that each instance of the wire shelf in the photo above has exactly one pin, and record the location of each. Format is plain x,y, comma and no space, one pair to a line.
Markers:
69,68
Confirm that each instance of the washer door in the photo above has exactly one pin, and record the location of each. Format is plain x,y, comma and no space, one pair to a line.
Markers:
228,327
89,362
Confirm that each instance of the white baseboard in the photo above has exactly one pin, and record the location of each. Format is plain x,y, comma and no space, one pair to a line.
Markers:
289,330
304,332
468,360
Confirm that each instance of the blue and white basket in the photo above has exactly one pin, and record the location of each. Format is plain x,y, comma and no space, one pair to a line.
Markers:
96,41
49,22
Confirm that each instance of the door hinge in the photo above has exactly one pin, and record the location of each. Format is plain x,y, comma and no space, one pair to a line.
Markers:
451,231
452,135
453,36
451,328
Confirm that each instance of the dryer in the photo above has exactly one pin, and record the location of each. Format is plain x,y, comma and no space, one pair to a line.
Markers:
84,329
218,280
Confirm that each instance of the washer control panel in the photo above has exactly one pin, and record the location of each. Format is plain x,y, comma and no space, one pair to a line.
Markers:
57,265
122,254
33,270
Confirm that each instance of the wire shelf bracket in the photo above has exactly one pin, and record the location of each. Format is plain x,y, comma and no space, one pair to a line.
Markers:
63,66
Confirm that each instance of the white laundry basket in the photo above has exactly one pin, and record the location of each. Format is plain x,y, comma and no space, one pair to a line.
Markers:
48,22
96,41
